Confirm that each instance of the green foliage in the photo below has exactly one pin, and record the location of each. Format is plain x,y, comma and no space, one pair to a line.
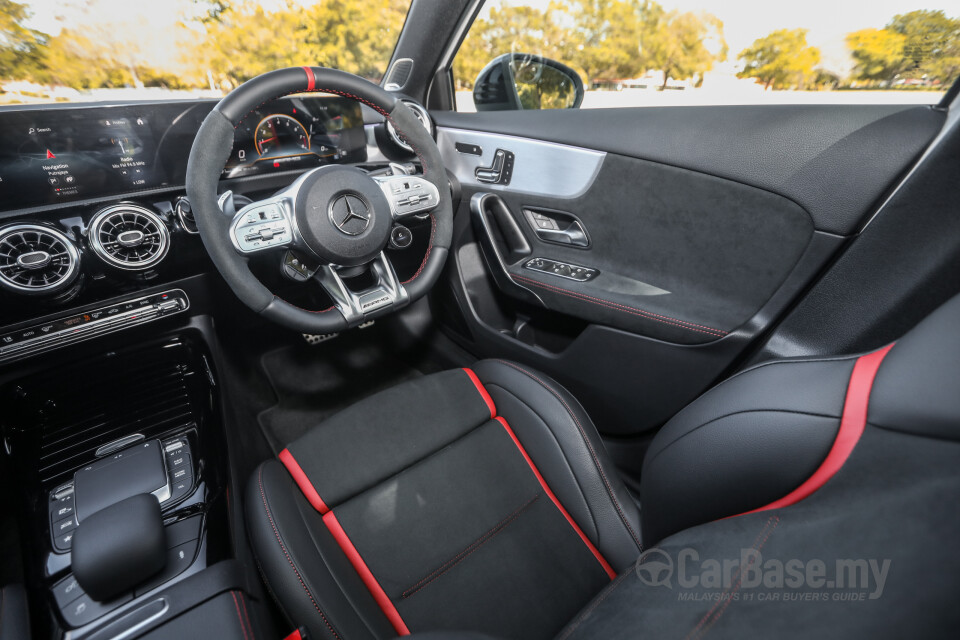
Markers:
781,60
878,53
357,37
603,40
679,44
920,45
18,45
511,30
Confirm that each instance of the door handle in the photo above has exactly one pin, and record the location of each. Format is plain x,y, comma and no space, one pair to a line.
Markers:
501,242
558,227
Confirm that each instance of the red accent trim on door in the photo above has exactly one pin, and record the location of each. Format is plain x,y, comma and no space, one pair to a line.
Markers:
483,392
311,80
363,570
303,481
543,483
852,424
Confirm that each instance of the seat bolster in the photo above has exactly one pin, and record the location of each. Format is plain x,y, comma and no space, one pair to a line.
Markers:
743,444
302,564
564,444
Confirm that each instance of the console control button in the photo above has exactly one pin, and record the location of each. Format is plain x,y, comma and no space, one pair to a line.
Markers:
180,488
63,526
63,542
62,508
178,462
179,559
66,591
561,269
85,609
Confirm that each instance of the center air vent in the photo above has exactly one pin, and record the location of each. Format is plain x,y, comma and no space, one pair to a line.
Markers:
421,115
129,236
36,259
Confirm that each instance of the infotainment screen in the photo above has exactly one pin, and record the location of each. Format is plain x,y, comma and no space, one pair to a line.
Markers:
68,154
64,154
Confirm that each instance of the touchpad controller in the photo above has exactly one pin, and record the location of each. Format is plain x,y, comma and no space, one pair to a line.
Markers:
134,470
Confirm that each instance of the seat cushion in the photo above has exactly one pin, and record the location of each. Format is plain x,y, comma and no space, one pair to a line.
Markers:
479,500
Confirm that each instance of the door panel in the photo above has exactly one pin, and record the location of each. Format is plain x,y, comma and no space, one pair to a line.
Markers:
694,249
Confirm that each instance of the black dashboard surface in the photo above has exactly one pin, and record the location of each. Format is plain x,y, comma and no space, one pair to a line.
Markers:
69,153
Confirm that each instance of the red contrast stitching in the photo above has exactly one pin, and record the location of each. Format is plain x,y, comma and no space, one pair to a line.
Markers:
246,615
290,560
433,229
683,324
758,543
586,441
243,627
449,564
593,606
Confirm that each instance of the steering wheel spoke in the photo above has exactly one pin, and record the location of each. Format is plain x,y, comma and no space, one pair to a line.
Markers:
265,224
409,195
385,295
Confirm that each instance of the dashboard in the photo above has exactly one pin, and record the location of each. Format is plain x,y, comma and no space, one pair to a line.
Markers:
51,156
95,225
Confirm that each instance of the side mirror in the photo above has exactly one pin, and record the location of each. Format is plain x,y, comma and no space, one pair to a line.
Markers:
516,81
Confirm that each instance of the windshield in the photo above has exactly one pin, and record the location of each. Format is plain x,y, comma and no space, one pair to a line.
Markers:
103,50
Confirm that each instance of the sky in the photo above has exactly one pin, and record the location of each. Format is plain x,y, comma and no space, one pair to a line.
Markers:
828,21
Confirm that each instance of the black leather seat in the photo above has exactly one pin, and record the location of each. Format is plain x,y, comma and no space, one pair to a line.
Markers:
475,499
486,503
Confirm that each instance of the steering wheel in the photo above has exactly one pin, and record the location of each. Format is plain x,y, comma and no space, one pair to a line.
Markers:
338,216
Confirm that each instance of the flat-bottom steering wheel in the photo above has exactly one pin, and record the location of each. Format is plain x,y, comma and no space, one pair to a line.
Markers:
339,216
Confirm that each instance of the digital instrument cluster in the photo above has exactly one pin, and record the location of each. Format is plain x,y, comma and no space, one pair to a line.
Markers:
70,153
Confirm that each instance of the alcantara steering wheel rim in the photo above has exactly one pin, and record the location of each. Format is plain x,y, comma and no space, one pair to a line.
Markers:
320,212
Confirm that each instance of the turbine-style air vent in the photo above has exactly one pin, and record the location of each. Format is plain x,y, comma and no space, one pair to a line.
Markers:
129,236
420,113
36,259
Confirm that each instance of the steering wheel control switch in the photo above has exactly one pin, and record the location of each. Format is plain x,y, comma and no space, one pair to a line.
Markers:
500,172
260,226
409,195
561,269
400,237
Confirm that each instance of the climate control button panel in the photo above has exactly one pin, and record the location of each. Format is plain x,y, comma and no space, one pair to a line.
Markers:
88,324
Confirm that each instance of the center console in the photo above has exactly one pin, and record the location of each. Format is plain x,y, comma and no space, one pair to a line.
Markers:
121,459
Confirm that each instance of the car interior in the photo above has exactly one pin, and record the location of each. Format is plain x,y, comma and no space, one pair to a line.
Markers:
500,374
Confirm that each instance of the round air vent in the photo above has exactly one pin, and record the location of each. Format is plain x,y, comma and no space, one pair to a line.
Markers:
36,259
421,115
129,236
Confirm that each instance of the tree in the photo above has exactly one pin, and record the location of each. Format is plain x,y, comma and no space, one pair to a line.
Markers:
243,39
932,44
511,30
679,44
18,45
878,54
780,60
608,35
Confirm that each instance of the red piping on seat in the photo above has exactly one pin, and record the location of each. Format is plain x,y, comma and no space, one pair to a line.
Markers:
294,636
483,392
543,483
363,570
852,424
302,481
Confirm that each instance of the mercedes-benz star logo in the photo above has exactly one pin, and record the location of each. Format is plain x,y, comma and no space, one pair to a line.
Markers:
350,215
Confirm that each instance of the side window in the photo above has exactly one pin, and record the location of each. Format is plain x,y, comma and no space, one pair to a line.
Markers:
554,54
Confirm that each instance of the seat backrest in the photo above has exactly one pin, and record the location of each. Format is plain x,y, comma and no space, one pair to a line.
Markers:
755,438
